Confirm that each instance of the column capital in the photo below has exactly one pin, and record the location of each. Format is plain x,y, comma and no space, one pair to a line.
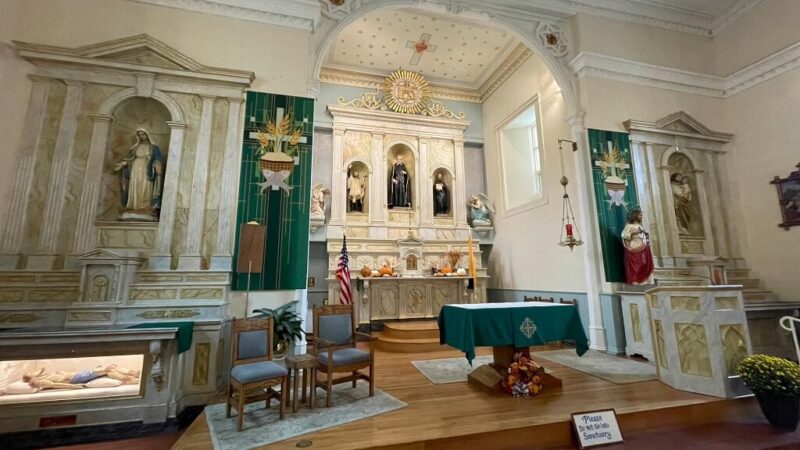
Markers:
40,78
101,118
235,100
207,97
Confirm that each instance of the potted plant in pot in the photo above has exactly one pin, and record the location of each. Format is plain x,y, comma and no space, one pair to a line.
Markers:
287,326
776,385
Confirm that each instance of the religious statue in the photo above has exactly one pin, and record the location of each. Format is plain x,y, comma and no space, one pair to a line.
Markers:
479,209
399,185
638,256
441,196
318,193
141,179
682,197
355,192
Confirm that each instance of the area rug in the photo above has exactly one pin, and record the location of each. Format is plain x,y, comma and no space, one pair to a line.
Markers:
262,427
449,370
611,368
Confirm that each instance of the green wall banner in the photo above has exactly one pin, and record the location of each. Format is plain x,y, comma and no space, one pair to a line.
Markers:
275,188
615,195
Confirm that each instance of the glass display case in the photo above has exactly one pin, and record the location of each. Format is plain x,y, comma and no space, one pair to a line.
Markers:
60,379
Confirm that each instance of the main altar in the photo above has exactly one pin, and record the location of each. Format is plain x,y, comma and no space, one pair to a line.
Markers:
398,195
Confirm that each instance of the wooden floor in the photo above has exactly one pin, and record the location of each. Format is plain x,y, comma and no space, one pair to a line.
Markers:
457,416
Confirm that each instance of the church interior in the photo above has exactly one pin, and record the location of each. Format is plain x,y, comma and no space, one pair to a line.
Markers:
347,224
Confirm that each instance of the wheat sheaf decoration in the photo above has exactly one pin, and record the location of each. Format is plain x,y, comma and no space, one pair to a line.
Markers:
406,92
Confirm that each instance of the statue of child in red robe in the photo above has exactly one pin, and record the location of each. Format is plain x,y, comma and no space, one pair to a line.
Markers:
638,257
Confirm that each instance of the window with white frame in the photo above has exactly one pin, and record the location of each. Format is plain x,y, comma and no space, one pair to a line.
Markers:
519,141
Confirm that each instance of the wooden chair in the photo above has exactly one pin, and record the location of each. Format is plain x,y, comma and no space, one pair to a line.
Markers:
334,344
252,371
538,299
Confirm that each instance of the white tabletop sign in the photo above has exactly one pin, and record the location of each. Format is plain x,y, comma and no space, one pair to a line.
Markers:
596,428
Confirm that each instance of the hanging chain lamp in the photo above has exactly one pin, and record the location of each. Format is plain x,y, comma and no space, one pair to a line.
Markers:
568,223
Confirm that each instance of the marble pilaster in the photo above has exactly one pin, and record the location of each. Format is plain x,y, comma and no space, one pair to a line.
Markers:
702,196
191,260
592,259
85,231
459,186
62,156
338,193
655,188
23,180
425,175
378,184
716,213
222,258
162,259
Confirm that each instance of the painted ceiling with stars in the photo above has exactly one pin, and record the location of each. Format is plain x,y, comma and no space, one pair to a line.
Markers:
443,50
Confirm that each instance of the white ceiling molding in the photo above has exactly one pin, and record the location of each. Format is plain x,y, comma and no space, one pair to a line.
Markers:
602,66
738,10
355,78
303,14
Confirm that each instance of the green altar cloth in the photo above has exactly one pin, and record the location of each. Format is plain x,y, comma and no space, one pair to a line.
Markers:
185,330
504,324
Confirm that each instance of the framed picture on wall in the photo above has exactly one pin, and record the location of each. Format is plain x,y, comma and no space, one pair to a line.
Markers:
789,198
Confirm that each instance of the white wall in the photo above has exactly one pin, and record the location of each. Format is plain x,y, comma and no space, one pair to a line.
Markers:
767,143
277,55
526,254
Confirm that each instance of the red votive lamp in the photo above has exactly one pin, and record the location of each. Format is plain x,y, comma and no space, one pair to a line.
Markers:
569,229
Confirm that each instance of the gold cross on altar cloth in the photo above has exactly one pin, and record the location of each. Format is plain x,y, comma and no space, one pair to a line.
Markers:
279,112
528,328
612,165
420,46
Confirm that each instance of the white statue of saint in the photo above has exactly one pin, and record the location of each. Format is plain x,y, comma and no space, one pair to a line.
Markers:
318,193
355,192
141,179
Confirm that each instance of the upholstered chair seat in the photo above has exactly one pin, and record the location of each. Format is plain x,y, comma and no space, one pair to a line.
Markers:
344,357
259,371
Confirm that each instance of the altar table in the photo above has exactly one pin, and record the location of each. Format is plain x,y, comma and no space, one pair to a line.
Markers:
518,324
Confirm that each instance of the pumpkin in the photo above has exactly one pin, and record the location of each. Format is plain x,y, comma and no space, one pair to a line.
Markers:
447,269
385,270
366,271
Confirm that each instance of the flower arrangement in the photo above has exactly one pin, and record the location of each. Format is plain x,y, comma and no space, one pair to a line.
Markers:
524,378
765,374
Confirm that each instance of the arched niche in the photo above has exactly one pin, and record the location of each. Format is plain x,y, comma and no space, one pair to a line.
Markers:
357,178
442,181
130,115
407,156
685,201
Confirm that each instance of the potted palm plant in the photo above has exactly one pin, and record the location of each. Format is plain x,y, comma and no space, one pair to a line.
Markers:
287,326
776,385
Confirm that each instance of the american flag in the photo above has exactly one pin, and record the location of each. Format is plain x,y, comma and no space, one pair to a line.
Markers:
343,275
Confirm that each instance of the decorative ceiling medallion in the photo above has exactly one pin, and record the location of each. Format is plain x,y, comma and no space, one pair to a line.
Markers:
406,92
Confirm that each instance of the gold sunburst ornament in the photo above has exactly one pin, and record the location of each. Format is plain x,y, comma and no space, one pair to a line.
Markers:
406,92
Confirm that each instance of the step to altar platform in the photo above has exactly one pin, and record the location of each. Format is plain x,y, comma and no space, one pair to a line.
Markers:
417,336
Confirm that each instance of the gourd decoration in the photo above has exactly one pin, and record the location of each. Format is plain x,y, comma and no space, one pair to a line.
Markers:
366,271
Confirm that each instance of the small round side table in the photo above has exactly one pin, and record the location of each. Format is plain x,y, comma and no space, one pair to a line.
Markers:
308,364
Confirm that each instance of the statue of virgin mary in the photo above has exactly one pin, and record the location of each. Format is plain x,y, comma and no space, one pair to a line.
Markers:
141,179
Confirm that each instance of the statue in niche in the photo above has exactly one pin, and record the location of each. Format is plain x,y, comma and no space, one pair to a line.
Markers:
99,288
399,185
141,179
682,198
441,196
411,262
479,209
638,256
318,193
355,192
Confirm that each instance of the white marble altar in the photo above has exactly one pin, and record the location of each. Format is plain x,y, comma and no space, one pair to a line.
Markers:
700,334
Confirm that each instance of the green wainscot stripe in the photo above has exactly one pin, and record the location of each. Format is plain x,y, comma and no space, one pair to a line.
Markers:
286,216
615,195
